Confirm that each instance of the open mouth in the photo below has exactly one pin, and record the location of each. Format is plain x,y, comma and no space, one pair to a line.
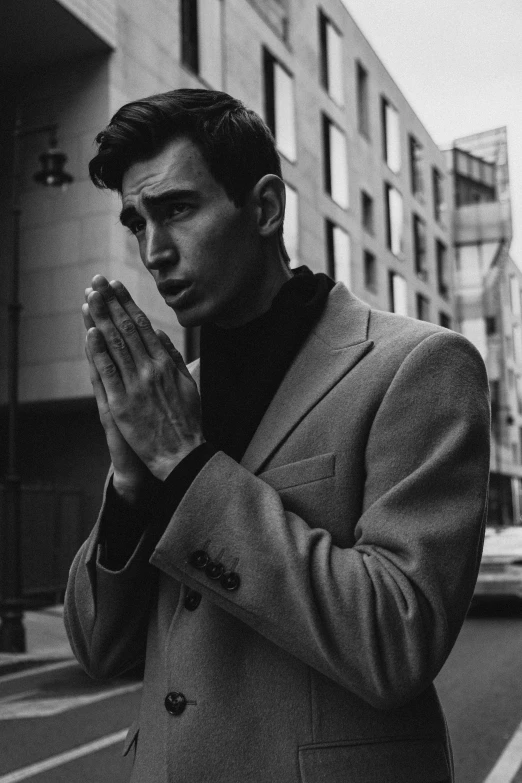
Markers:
174,291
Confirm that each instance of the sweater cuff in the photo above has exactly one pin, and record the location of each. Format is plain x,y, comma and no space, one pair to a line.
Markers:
122,526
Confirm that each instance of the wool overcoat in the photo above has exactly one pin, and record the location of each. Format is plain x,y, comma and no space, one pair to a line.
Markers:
355,523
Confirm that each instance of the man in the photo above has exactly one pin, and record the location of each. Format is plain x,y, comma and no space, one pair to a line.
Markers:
290,534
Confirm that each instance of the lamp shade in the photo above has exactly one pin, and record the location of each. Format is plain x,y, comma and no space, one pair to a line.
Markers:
52,173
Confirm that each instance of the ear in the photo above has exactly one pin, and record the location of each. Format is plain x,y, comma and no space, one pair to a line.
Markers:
269,198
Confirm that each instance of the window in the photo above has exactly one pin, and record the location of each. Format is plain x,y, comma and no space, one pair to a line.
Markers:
423,308
441,253
438,195
517,343
291,226
338,253
201,39
494,391
370,271
391,136
444,320
363,115
419,247
514,295
491,325
398,294
280,105
335,163
367,211
417,179
331,50
394,220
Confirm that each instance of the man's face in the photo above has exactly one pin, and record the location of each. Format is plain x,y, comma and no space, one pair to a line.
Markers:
203,252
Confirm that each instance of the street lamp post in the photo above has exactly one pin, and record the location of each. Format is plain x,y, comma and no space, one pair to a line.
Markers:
12,631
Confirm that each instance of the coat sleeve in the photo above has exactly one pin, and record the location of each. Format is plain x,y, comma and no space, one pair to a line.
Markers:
380,617
107,612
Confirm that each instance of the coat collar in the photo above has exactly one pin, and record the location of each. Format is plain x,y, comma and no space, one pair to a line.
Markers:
336,343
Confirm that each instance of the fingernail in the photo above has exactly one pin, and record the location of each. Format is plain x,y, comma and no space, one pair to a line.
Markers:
100,281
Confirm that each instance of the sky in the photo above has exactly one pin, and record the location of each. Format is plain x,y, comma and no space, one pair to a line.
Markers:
459,65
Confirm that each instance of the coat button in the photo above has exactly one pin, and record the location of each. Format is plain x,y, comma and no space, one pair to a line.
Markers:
214,570
230,580
192,600
199,558
175,703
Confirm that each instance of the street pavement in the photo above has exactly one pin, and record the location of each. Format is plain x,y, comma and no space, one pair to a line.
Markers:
58,726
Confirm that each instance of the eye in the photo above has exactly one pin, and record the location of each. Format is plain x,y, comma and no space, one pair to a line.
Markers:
136,226
178,208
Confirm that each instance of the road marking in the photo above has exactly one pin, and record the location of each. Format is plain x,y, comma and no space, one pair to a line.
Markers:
509,762
19,705
63,758
48,667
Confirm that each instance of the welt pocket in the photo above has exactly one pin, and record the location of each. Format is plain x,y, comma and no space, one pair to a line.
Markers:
305,471
403,761
131,740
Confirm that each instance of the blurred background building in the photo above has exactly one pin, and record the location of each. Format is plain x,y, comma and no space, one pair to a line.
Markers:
369,199
488,300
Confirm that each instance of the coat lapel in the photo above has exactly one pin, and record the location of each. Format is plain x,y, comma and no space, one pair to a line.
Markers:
333,348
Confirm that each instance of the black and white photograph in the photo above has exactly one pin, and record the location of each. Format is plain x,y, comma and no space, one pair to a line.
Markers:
261,391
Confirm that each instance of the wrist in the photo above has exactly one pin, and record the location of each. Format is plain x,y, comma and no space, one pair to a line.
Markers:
163,466
128,491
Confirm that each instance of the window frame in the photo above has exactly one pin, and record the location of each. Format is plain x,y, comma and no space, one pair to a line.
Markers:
367,213
362,77
328,124
270,63
326,58
189,35
420,247
386,105
416,168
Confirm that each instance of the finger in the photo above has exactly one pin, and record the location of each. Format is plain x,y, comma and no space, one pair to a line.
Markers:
104,364
87,318
97,385
149,337
121,319
173,353
117,342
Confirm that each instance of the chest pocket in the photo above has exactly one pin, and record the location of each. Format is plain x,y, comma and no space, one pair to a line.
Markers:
304,471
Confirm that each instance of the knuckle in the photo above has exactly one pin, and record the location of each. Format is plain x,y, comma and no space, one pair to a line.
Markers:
150,373
163,362
109,370
142,321
127,327
117,343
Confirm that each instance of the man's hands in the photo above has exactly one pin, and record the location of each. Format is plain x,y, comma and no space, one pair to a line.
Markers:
147,400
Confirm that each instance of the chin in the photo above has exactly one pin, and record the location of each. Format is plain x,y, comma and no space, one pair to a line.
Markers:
190,318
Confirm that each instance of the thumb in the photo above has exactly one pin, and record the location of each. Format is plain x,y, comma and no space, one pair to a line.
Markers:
173,353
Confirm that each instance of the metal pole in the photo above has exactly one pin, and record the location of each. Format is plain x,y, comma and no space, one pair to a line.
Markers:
12,630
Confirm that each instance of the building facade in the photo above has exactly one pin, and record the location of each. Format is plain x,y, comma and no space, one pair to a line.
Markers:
367,192
488,286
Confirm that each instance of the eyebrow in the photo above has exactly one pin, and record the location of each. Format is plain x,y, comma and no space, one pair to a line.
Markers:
156,199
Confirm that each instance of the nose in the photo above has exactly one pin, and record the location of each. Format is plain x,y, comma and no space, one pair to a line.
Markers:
160,248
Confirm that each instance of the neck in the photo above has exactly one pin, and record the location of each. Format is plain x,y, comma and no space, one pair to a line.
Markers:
261,295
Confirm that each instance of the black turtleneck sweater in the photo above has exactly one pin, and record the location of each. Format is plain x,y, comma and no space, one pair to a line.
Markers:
240,371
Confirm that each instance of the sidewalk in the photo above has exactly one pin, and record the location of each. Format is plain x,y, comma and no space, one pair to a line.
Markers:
46,640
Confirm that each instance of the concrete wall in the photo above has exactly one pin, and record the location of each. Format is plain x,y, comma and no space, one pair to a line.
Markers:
68,237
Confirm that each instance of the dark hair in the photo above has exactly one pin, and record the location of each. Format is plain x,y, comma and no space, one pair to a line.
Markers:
236,144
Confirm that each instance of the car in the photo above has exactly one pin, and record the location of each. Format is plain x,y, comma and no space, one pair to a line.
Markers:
500,573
